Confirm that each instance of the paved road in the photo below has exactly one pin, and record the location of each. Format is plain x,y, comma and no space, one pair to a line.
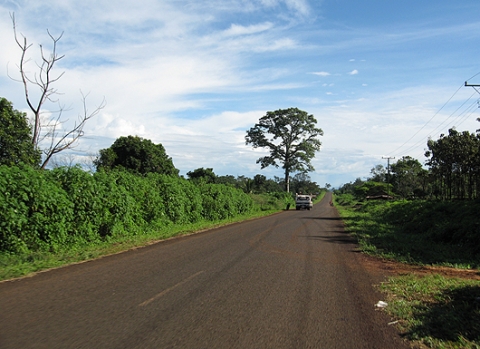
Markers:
291,280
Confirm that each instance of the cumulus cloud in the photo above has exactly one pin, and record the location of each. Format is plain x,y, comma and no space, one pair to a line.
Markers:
353,72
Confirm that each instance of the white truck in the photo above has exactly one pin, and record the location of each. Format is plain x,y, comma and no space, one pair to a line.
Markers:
303,202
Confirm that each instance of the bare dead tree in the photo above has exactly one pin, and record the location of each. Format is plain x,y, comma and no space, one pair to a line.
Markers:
44,79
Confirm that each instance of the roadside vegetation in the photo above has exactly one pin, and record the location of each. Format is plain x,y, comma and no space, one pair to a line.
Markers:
427,221
55,217
417,232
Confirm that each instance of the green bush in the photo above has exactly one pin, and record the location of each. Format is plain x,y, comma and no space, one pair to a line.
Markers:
35,213
221,202
83,191
45,210
120,213
181,203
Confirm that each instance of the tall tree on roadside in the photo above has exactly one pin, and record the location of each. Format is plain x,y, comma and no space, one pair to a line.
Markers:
408,176
454,162
48,135
291,136
136,155
15,137
379,174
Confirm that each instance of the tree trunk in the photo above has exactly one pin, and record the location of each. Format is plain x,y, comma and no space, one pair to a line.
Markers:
287,181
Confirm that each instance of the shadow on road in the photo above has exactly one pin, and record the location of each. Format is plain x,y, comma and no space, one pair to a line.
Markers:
340,238
324,218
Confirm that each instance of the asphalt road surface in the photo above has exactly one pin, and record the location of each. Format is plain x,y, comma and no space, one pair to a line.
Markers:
291,280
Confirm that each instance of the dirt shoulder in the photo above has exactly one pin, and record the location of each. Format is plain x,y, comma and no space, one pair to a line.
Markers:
386,267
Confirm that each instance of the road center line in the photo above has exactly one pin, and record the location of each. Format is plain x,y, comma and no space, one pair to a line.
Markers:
164,292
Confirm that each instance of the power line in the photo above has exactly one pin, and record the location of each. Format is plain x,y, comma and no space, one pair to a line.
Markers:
397,150
439,127
443,106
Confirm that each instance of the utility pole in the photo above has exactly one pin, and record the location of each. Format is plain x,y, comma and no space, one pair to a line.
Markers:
472,85
388,166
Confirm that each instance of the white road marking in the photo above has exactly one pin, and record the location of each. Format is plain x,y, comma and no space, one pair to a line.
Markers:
164,292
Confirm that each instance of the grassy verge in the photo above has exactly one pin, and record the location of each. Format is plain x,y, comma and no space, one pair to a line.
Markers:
416,232
434,311
17,265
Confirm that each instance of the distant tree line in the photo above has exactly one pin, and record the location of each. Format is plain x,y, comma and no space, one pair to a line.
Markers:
452,171
139,156
259,184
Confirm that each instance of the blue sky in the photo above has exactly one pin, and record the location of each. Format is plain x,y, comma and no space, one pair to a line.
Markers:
380,77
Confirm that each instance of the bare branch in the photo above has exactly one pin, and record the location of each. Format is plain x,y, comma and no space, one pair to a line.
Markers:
68,140
44,80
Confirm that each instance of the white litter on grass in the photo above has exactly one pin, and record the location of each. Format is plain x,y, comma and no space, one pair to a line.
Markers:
381,304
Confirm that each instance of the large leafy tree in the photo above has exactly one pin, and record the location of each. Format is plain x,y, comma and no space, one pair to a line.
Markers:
408,177
379,174
202,174
454,162
15,137
291,136
137,155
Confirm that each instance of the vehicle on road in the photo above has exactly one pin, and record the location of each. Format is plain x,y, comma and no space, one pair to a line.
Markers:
303,202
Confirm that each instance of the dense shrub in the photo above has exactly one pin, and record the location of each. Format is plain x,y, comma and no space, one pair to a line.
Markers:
48,209
222,201
180,198
83,191
35,213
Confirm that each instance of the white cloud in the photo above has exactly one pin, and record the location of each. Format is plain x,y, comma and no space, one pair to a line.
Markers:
353,72
321,73
299,6
276,45
236,29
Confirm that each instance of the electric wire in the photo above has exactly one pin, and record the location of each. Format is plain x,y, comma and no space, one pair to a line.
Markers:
415,145
425,125
397,150
467,113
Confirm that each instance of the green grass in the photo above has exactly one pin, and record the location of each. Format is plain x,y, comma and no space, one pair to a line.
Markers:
435,311
432,311
416,232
